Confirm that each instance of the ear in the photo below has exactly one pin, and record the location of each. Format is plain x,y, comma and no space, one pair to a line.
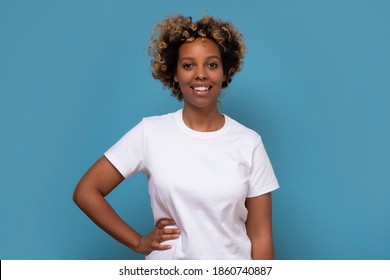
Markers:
175,79
225,82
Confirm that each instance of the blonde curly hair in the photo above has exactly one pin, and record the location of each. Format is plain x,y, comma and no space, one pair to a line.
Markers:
171,33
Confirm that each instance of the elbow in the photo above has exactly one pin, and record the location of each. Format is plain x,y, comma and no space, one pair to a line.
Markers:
84,194
76,196
79,195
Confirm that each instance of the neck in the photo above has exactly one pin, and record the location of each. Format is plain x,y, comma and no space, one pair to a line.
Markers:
203,120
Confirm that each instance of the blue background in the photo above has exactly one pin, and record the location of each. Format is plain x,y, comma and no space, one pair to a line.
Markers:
75,76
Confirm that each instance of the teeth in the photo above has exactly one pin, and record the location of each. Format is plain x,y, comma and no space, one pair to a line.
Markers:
201,88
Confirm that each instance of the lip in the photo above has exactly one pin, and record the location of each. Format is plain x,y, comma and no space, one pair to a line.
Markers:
201,92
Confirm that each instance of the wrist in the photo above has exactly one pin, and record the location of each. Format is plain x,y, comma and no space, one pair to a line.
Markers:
141,246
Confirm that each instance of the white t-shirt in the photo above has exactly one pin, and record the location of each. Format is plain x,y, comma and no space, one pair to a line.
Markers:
199,179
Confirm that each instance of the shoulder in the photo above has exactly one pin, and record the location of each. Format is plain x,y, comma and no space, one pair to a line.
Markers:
159,120
159,125
243,131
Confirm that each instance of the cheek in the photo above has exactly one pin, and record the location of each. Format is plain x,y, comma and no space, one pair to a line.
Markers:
184,77
218,77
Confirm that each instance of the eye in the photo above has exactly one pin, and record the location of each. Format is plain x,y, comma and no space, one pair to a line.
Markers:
188,66
212,65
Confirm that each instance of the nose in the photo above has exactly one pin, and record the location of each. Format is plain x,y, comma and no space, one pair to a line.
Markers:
201,74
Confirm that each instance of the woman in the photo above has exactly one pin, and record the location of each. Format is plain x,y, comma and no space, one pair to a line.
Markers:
209,177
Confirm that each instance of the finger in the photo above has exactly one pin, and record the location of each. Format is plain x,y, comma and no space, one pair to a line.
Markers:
166,237
165,222
158,246
170,231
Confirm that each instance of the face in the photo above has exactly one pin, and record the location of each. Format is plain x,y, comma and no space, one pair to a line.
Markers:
200,73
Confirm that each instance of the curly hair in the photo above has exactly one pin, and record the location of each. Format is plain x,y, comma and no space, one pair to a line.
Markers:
174,31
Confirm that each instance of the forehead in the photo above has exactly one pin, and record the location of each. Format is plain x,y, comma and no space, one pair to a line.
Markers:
199,48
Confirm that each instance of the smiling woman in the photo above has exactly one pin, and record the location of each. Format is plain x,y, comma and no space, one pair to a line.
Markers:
170,34
200,76
210,179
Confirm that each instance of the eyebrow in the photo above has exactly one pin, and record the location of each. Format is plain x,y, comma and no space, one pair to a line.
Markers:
207,58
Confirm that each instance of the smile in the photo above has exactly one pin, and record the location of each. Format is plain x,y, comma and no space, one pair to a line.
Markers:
202,88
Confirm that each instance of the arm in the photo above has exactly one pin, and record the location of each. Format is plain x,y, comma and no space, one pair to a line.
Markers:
89,195
259,226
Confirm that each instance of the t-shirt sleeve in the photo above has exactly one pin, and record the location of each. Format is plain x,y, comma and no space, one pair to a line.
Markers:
127,155
262,176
